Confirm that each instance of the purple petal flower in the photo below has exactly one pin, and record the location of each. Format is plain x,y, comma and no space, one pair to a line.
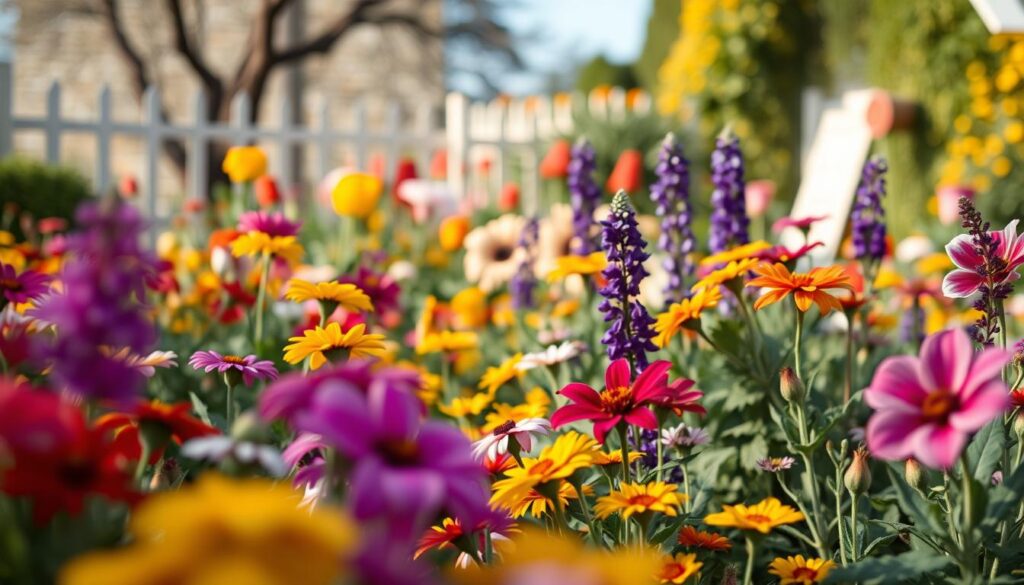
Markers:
250,367
729,221
671,194
867,220
22,288
272,224
584,195
521,285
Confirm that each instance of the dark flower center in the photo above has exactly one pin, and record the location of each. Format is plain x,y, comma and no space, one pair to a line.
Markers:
805,573
233,359
938,405
400,452
504,427
76,474
309,457
502,253
10,284
618,399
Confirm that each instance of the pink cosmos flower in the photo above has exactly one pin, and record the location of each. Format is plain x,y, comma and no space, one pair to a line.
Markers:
927,406
272,224
800,223
620,402
497,442
249,366
965,279
22,288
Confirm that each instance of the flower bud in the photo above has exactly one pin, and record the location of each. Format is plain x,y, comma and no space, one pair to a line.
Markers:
914,475
790,387
1018,424
858,475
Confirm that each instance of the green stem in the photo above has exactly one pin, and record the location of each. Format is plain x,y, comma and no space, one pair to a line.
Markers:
748,573
661,452
798,336
839,513
848,385
140,467
229,406
261,299
686,487
625,454
853,527
970,563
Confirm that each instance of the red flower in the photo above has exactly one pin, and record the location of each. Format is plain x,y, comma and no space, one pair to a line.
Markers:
619,402
439,164
175,419
509,198
128,187
499,465
556,162
406,170
439,537
681,397
267,194
35,422
627,172
690,537
782,254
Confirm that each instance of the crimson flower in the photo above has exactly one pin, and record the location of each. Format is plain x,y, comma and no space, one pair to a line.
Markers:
174,420
782,254
800,223
680,397
620,401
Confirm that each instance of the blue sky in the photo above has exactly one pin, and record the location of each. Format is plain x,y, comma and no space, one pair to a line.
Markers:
564,33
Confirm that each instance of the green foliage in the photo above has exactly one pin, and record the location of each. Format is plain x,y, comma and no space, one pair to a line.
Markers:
662,30
599,71
40,190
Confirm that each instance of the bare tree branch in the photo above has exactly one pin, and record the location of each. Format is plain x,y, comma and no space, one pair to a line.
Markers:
324,42
211,83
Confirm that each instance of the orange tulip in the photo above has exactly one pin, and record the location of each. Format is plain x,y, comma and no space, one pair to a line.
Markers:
509,198
627,172
439,164
452,231
556,162
267,194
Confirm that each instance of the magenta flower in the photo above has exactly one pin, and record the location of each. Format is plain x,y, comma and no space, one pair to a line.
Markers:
306,456
272,224
22,288
782,254
621,401
927,406
680,396
249,367
800,223
966,279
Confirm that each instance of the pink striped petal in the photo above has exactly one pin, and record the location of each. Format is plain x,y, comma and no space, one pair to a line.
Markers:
945,359
887,434
985,404
986,367
962,252
961,283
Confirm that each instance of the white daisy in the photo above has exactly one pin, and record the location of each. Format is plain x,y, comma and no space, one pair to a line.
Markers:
221,447
497,442
493,254
552,355
684,436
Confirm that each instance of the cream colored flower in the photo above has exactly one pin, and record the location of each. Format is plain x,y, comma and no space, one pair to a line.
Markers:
492,252
555,239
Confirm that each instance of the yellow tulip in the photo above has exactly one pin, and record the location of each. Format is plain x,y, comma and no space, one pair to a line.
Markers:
243,164
356,195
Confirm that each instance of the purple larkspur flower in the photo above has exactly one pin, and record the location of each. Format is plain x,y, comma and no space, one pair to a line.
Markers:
521,286
249,367
100,306
21,288
629,333
584,195
272,224
867,220
671,194
729,221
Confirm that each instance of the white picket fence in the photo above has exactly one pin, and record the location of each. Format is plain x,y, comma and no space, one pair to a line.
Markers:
502,132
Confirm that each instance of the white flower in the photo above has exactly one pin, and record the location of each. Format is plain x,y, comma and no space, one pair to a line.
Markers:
493,254
913,248
553,354
220,447
402,270
147,364
428,198
684,436
496,443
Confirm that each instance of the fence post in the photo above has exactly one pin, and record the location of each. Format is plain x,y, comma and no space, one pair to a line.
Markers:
154,123
6,108
457,134
392,123
324,156
360,142
286,166
53,124
199,153
104,132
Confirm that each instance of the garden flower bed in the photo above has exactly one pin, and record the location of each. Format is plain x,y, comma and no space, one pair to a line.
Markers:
395,388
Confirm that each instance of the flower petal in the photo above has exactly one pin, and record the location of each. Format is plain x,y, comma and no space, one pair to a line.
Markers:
887,434
962,252
618,374
574,412
651,382
985,404
945,359
986,367
581,393
961,283
896,385
642,417
938,446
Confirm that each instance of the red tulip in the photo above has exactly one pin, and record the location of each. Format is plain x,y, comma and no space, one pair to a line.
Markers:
509,198
439,164
627,172
556,162
406,170
267,194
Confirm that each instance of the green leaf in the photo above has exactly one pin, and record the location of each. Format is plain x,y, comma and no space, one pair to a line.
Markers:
925,514
881,541
986,450
200,407
1002,499
669,529
890,569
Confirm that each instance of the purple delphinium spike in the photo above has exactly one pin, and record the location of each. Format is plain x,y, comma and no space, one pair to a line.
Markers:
629,335
867,220
671,194
729,222
101,305
584,195
523,281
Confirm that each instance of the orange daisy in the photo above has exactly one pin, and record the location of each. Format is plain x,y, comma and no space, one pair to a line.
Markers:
807,288
690,537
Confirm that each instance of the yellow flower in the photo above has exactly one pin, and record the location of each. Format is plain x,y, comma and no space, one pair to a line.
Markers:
452,232
636,498
570,452
761,517
738,253
937,263
446,341
677,569
462,407
887,277
538,505
800,571
603,458
582,265
243,164
470,307
684,314
565,308
319,343
258,243
349,296
535,406
356,195
734,269
497,376
208,533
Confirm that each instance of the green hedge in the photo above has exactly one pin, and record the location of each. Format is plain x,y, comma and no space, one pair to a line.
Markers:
40,190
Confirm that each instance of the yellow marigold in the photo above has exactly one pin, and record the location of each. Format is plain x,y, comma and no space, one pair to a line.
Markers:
603,458
684,314
258,244
452,232
320,343
732,270
356,195
243,164
570,452
677,569
538,505
446,341
208,533
761,517
497,376
582,265
800,571
636,498
470,307
734,254
349,296
466,406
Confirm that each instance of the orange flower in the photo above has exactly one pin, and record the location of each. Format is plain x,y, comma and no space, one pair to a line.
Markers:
556,162
690,537
452,231
627,172
806,288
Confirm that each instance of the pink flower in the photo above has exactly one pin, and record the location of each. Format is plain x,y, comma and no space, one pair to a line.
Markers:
801,223
759,195
927,406
965,279
680,396
272,224
782,254
249,366
619,402
497,442
21,288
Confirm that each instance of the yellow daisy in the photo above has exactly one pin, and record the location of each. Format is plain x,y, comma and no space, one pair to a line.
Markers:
761,517
538,505
800,571
446,341
570,452
582,265
349,296
677,569
257,243
683,314
320,343
614,458
497,376
465,406
636,498
733,270
738,253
